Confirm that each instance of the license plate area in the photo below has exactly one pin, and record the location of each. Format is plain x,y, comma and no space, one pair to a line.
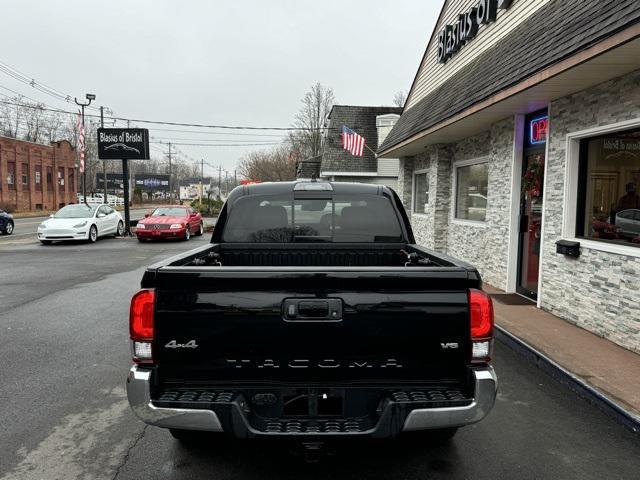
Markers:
313,403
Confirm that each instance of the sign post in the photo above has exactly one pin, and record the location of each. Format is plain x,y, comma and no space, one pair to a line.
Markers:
125,144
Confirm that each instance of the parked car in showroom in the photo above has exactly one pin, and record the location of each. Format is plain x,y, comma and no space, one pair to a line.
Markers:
6,223
171,221
81,222
628,222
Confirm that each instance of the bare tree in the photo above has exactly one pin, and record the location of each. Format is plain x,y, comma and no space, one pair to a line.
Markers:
310,119
400,98
195,170
276,164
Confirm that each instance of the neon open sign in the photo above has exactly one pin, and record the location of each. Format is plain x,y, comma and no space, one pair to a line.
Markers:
538,130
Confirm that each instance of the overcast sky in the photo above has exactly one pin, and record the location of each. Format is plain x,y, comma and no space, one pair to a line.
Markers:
237,62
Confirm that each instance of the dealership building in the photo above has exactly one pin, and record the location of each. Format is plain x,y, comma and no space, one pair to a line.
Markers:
519,150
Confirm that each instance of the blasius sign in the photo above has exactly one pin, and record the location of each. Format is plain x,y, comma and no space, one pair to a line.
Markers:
119,143
452,37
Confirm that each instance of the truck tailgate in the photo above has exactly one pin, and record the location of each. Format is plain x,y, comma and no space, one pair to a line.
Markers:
227,325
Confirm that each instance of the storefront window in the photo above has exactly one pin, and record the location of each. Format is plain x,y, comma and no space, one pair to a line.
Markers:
420,192
609,188
471,192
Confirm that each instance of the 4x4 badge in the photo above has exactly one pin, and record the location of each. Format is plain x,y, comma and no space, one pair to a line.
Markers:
174,344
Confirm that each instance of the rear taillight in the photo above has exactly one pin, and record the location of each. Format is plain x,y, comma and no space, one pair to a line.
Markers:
481,308
141,325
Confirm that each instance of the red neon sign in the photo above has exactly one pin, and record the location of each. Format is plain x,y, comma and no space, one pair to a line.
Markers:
539,128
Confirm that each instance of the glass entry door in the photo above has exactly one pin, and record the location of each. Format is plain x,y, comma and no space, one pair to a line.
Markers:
531,196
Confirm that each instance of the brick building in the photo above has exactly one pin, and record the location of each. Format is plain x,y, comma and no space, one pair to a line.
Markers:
34,176
522,130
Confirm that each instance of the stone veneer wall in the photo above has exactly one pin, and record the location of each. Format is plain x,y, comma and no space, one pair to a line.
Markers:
599,291
483,245
487,245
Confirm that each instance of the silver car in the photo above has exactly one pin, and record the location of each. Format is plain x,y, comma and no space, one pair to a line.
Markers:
628,222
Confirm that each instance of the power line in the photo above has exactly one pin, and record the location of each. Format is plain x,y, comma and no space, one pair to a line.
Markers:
209,139
221,144
31,81
200,132
179,124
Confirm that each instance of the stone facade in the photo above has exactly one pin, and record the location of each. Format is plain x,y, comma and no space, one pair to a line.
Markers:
484,245
599,291
35,176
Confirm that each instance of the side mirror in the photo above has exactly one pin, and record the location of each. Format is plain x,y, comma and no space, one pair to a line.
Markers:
147,215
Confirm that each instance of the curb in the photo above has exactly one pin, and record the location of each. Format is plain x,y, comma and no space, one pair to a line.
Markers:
569,380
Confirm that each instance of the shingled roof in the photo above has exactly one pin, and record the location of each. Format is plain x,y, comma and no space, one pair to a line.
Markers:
567,27
363,121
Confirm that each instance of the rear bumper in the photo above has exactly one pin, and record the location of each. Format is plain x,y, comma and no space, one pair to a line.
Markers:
393,420
139,395
486,387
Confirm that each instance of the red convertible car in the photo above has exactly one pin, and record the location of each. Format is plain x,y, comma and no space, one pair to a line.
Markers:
172,221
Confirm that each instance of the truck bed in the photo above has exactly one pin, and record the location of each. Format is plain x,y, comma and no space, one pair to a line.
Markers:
313,255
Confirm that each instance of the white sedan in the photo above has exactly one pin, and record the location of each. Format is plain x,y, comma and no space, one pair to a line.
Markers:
81,222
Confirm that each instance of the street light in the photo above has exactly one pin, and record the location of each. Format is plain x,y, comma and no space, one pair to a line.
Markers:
90,97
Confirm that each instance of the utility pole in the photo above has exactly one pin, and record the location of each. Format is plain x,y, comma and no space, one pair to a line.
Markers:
219,182
201,179
104,162
226,182
169,153
235,177
83,166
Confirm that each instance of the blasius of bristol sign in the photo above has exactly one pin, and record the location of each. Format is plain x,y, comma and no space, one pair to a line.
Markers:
129,143
452,37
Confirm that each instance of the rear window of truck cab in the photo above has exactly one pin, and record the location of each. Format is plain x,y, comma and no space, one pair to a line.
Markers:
284,219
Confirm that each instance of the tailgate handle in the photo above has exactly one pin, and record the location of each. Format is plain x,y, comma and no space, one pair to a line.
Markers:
313,309
304,310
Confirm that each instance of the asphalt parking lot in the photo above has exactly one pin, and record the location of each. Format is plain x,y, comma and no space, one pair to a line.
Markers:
65,355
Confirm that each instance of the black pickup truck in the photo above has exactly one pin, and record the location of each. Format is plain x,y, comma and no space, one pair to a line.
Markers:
311,314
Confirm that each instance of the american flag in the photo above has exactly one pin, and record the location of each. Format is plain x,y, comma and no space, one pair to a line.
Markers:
81,142
352,141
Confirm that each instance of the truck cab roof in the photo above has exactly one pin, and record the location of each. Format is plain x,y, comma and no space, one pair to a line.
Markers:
338,188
